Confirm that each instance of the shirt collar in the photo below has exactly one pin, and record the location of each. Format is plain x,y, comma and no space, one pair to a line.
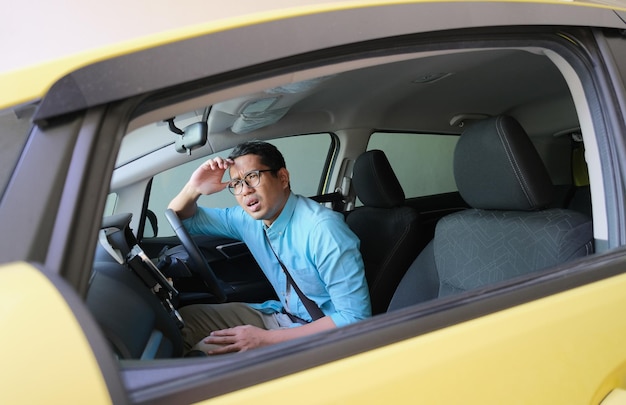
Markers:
280,224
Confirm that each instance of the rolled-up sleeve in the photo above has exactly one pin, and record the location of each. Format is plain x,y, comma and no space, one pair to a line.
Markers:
215,222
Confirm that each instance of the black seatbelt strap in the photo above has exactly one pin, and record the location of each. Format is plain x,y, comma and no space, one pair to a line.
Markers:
314,311
336,199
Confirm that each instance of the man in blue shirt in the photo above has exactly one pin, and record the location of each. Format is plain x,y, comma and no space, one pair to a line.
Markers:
313,243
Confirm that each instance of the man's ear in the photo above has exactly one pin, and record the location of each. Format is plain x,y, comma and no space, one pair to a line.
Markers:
283,175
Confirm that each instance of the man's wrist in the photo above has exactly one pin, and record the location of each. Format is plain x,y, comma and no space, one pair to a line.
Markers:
191,192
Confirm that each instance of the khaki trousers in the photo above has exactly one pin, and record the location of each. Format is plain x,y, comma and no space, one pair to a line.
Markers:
202,319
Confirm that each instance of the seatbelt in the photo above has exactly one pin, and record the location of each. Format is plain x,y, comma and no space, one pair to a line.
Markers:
336,199
314,311
580,172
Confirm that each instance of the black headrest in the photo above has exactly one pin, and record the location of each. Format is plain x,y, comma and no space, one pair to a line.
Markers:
374,181
496,166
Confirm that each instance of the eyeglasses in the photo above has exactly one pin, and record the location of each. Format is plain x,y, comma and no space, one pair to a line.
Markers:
252,179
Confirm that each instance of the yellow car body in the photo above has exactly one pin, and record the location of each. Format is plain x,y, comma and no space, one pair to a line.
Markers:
52,361
517,355
565,347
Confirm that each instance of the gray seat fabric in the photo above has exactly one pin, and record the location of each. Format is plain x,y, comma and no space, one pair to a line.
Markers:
388,230
507,232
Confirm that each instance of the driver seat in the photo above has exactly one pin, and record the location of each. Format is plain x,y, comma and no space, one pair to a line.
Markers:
131,317
389,230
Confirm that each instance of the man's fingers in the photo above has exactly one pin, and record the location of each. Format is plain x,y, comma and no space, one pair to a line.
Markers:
223,332
221,337
226,163
218,163
224,350
215,339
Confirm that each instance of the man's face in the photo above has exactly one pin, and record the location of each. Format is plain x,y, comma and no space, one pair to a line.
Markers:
266,200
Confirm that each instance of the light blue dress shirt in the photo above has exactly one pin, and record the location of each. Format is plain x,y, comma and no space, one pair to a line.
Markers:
319,250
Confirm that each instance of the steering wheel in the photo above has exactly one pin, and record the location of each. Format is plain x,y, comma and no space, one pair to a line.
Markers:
198,261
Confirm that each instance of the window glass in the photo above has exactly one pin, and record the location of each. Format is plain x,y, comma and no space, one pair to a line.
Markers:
305,158
422,162
14,127
109,206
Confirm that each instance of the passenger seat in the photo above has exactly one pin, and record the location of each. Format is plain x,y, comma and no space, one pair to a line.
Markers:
507,232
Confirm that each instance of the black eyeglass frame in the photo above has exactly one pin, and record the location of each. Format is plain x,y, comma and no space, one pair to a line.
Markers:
233,184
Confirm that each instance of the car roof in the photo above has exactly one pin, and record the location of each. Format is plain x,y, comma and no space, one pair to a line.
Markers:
27,77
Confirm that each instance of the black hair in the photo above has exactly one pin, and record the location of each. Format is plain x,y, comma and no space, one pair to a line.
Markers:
269,154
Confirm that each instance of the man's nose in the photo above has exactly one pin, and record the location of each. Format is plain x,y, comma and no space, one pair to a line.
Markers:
245,188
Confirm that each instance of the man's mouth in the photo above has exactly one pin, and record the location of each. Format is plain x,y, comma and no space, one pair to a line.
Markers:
252,204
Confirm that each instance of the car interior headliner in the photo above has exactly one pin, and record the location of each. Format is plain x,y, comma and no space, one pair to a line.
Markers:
428,92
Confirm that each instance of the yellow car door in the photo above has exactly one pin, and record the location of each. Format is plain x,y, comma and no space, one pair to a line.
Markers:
550,337
46,350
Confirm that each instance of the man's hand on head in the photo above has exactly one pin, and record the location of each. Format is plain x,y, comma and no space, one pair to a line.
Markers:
207,179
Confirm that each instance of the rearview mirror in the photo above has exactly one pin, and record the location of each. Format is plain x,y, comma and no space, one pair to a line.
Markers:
193,136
